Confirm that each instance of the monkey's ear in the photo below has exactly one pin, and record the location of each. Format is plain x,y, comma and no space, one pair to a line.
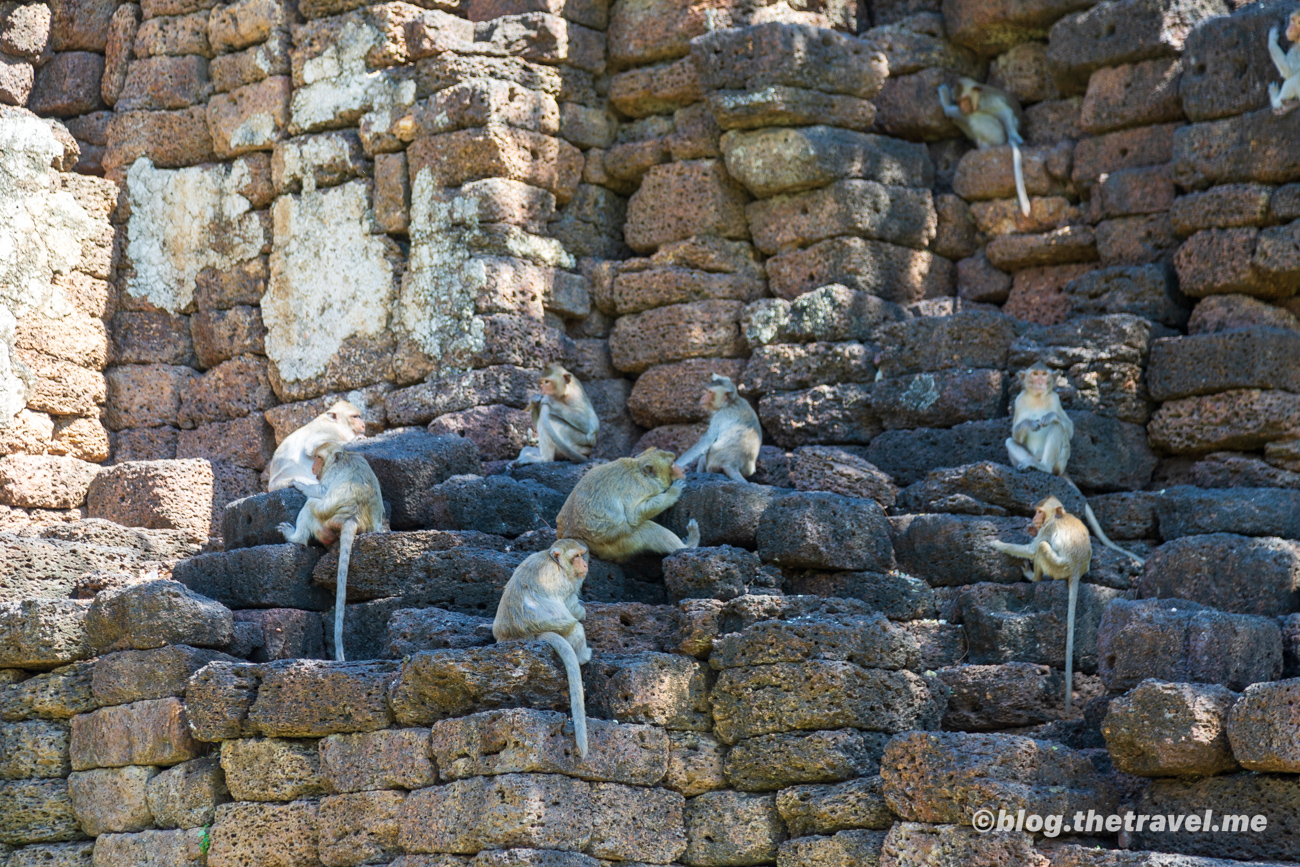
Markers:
648,469
556,554
1060,511
568,378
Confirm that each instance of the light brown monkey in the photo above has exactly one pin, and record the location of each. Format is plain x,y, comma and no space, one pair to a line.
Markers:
292,461
1286,96
345,502
611,506
565,421
1041,434
990,117
1061,550
541,601
731,443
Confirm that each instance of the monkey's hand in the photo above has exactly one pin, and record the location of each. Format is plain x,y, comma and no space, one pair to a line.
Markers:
999,545
945,95
286,529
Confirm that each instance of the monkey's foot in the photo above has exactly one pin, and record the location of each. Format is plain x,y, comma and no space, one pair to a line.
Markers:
1286,108
286,529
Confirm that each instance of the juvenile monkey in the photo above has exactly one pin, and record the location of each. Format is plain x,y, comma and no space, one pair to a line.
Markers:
347,501
731,443
989,117
292,461
1061,550
541,601
1286,96
611,506
565,421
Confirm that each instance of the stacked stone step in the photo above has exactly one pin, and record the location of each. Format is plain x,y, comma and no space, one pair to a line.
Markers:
54,338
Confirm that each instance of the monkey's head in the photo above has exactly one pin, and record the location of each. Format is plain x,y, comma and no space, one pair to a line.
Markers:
1049,509
720,392
326,456
570,555
1038,379
554,380
349,416
660,466
968,95
1293,27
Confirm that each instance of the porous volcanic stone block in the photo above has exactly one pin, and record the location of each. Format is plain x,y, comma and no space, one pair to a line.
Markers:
1181,641
1210,363
499,151
59,694
158,495
187,795
1026,622
1263,728
271,769
45,481
709,573
359,828
843,848
152,732
386,759
219,696
265,576
791,54
429,565
634,823
661,689
43,633
414,629
268,634
247,835
492,504
824,809
822,414
1239,420
409,462
699,329
33,748
138,675
1234,797
1008,770
953,550
770,762
868,640
441,684
1027,694
939,399
695,761
732,829
154,614
1161,729
528,741
37,811
1226,70
311,698
1247,148
55,855
910,456
152,849
728,513
253,520
1225,571
679,200
825,531
68,85
787,160
111,799
894,273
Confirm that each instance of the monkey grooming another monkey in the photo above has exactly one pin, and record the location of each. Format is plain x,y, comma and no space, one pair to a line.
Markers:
346,501
1286,96
292,460
1040,438
1061,550
611,506
541,601
731,443
565,421
989,117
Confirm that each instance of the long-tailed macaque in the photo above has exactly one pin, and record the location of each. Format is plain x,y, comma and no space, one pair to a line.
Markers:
731,443
611,506
991,118
541,601
345,502
292,460
1286,96
1061,550
1040,437
565,421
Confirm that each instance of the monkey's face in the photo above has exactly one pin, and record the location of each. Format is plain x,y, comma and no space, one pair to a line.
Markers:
1293,27
547,385
571,557
357,423
714,398
318,466
1038,380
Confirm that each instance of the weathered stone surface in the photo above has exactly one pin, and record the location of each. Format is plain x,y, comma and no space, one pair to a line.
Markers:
1180,641
728,513
58,694
411,630
68,85
385,759
455,158
1216,313
820,694
158,495
111,799
153,732
658,689
699,329
265,576
151,849
1210,363
825,531
1170,729
55,855
989,488
1241,419
493,504
669,393
787,160
949,550
409,462
309,698
154,614
442,684
770,762
732,829
867,640
268,634
45,481
187,795
271,769
1247,148
896,595
1225,571
1226,66
939,399
37,811
43,633
359,828
138,675
33,748
843,848
695,762
1262,727
1232,797
709,573
1013,694
979,769
825,809
1027,621
791,366
851,207
658,214
822,414
246,834
894,273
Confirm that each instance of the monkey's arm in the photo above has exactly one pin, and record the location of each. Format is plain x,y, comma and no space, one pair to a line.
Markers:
314,492
945,100
549,615
1049,554
694,452
1025,552
651,506
1280,58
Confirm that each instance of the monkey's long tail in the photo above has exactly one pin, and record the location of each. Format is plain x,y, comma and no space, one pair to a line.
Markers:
348,533
1096,527
1018,165
1069,640
577,701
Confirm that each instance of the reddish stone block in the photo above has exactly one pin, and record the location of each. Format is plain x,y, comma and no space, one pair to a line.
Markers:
145,395
232,389
1136,94
156,495
223,334
154,83
1127,149
251,118
68,85
244,442
701,329
894,273
170,138
1038,294
455,158
679,200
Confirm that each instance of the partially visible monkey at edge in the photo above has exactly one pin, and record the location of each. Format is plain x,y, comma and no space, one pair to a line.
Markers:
990,117
731,443
1041,434
292,461
347,501
611,506
1060,550
541,601
1285,97
565,420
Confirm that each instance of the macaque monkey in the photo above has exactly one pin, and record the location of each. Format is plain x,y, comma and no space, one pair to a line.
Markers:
1040,437
989,117
292,460
1286,96
731,443
541,601
347,501
1061,550
566,424
611,506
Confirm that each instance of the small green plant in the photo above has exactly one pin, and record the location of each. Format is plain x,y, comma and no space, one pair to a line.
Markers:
205,839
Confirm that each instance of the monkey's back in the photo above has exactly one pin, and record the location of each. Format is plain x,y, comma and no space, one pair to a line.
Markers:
354,493
596,509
